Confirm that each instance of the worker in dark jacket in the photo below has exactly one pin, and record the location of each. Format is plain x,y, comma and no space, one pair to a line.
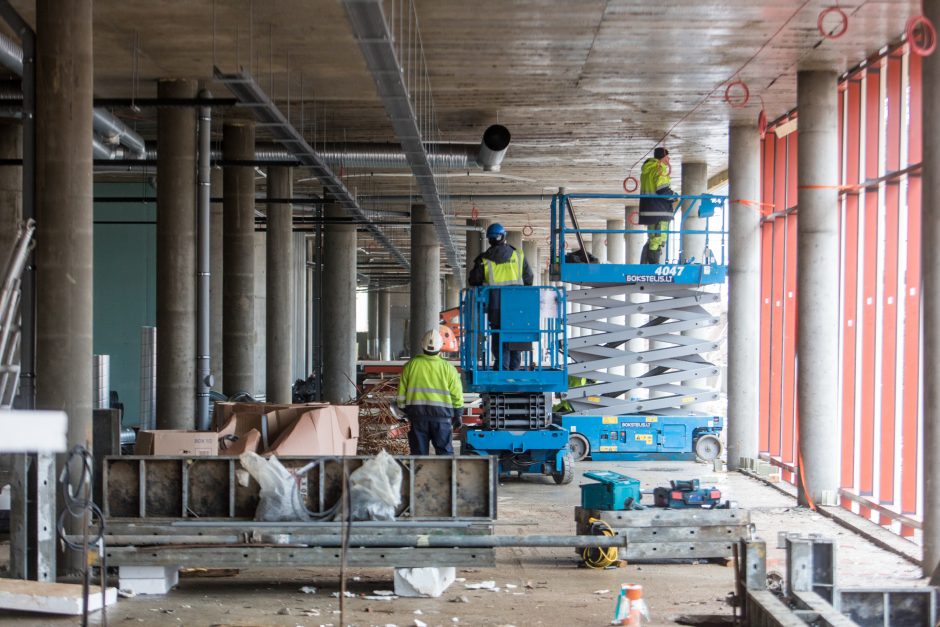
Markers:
656,213
431,395
501,264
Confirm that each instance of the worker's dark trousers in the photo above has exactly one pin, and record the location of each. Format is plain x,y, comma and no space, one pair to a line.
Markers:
511,360
427,431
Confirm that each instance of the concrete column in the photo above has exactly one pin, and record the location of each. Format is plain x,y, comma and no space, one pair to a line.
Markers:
633,247
385,325
372,346
238,250
694,183
176,258
11,186
474,241
615,254
64,254
279,301
599,247
743,295
817,307
425,278
217,309
338,307
930,264
451,292
530,249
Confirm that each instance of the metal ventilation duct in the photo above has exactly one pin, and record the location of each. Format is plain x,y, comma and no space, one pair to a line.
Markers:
105,124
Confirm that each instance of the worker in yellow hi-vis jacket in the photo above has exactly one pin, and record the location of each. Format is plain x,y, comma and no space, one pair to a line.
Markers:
431,394
656,213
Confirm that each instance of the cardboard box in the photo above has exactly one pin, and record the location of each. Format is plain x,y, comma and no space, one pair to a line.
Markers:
316,432
176,442
350,446
249,441
225,409
348,416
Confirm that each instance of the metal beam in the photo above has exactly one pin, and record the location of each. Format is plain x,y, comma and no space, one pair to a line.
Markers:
371,30
249,94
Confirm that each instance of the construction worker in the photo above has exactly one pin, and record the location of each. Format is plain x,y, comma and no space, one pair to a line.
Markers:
656,213
501,264
431,395
563,406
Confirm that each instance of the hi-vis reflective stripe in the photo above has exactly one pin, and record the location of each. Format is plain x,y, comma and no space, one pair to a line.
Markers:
428,403
430,391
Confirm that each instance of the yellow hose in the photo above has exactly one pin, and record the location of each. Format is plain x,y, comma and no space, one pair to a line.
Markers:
597,557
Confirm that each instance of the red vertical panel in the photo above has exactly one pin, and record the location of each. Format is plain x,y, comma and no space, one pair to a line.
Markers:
766,287
780,174
776,336
791,169
866,451
890,290
853,94
911,367
788,409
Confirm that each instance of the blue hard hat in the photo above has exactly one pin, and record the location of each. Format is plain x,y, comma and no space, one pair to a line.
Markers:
495,230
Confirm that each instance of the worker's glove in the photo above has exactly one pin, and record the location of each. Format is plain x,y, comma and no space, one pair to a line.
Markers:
455,420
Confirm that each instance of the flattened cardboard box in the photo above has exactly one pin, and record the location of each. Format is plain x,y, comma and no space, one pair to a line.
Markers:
316,432
176,442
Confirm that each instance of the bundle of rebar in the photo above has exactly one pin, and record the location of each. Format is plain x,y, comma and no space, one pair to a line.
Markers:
379,428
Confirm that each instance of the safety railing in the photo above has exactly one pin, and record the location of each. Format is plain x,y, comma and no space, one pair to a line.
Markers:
566,238
528,320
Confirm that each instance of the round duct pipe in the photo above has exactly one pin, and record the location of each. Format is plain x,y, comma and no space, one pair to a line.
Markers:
493,148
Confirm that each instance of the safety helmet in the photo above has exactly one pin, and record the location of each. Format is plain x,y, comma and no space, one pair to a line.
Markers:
495,233
432,342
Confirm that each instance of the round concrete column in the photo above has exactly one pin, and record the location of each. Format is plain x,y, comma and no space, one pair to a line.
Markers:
530,249
385,325
633,247
599,247
694,183
474,239
930,264
64,253
215,282
176,258
817,285
372,345
238,259
743,295
311,310
279,300
11,185
425,278
451,292
338,307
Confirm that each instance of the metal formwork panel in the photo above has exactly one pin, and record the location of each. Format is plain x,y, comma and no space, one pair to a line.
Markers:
182,487
674,362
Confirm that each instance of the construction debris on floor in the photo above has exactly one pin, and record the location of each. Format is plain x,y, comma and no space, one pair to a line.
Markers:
379,428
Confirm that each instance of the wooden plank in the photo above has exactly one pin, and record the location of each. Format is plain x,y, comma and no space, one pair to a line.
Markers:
268,556
50,598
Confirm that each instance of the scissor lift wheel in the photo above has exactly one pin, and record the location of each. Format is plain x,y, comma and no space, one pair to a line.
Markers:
708,447
566,474
580,447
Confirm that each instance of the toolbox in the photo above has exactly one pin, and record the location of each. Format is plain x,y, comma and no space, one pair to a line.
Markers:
612,492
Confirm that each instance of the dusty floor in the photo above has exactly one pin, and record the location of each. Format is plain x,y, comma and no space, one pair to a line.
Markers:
560,592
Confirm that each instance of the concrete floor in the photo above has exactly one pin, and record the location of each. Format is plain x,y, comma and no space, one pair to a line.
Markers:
551,589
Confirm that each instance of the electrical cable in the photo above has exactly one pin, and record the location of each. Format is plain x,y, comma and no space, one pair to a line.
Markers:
77,497
597,557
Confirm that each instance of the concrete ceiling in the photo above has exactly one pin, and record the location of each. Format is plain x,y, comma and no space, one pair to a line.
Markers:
587,87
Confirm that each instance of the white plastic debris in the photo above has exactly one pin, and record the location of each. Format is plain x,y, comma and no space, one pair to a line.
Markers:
375,597
349,595
420,623
601,591
423,582
483,585
511,586
383,593
308,590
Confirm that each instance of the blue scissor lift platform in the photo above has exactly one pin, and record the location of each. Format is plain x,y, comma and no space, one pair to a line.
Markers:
637,402
517,426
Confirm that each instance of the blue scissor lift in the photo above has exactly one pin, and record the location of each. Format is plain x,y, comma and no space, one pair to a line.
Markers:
517,425
637,402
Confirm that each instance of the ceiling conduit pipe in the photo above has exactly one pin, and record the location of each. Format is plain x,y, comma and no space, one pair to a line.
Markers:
106,124
493,147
